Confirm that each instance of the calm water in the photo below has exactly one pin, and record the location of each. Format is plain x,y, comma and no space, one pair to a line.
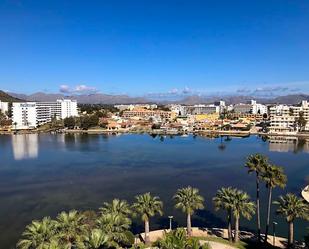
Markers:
41,175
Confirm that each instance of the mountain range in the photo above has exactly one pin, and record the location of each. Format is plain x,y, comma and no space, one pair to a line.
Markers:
100,98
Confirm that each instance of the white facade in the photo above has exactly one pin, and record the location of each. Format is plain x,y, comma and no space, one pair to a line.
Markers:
258,108
31,114
68,108
283,117
24,115
4,107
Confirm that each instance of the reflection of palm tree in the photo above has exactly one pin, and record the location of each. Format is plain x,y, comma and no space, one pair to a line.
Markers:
222,145
273,176
147,206
188,200
292,207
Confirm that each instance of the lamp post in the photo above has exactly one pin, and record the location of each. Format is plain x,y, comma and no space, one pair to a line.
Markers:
274,233
171,218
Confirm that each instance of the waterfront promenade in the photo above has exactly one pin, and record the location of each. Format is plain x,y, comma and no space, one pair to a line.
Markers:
212,236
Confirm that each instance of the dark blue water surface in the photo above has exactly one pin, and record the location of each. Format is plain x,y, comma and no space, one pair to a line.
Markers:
41,175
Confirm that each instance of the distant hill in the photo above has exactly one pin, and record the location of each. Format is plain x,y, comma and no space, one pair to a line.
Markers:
8,98
100,98
289,99
84,99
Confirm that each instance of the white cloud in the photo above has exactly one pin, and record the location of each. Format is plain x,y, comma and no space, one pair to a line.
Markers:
79,89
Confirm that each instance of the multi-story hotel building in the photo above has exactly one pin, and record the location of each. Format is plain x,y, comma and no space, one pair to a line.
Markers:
283,117
24,115
29,115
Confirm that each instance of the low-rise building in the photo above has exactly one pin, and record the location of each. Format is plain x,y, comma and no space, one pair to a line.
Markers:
146,114
4,107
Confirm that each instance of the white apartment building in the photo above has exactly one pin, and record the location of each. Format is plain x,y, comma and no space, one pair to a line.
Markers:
253,108
24,115
258,108
283,117
68,108
4,106
31,114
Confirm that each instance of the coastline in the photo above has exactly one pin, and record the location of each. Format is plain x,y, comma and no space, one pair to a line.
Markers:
210,133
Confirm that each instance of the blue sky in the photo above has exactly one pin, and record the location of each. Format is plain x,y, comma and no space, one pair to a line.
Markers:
155,47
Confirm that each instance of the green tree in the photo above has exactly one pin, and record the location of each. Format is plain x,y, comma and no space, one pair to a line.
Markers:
39,234
69,122
71,229
147,206
242,206
115,226
177,239
301,121
273,176
188,200
256,164
120,207
224,200
291,207
96,239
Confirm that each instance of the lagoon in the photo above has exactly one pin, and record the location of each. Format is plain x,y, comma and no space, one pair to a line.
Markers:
43,174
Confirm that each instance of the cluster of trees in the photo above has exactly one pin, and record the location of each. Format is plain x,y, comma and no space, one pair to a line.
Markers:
290,206
4,120
92,108
84,122
110,228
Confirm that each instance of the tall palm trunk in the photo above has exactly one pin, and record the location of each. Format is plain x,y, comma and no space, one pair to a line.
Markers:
236,238
189,230
147,239
291,235
229,227
258,218
268,213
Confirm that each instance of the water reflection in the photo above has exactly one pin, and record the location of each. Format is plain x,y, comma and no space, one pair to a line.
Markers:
25,146
289,144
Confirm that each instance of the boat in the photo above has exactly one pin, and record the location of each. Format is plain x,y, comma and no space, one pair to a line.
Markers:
305,193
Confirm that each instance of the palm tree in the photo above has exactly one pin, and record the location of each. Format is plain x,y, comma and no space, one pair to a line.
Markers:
224,200
115,226
188,200
71,229
273,176
292,207
117,206
147,206
96,239
242,206
39,234
257,163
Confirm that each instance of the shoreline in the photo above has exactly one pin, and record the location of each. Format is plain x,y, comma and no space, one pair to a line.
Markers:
210,133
